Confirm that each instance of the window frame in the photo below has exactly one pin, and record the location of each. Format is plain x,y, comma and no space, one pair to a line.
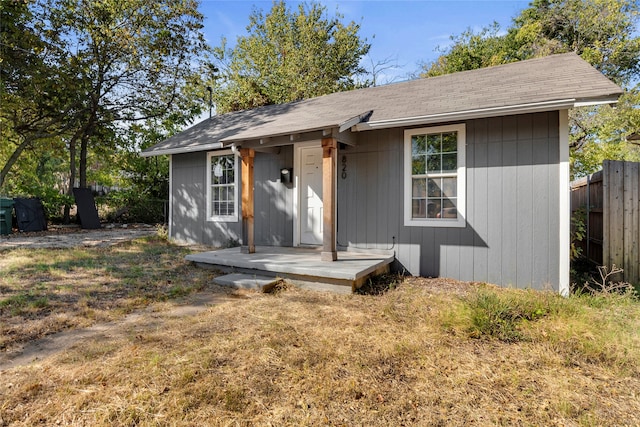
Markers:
460,174
236,184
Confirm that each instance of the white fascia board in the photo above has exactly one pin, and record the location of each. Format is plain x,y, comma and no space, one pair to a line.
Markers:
466,115
592,102
347,124
182,150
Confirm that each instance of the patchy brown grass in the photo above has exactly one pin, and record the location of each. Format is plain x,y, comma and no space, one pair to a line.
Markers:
411,356
43,291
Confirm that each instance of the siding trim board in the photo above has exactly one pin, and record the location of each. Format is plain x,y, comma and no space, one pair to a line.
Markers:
170,222
564,204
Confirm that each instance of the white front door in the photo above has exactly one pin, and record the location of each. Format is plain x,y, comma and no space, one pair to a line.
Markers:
311,195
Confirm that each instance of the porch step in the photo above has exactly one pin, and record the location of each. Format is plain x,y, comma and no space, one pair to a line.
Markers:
247,281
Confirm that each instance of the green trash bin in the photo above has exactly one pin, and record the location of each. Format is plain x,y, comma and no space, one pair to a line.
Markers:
6,216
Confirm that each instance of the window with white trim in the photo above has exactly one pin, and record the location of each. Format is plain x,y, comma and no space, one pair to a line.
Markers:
434,176
222,186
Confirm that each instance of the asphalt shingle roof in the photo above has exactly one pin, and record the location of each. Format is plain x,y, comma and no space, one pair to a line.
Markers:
541,80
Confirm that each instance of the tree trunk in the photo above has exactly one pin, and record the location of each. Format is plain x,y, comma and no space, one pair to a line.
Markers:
83,161
72,179
12,159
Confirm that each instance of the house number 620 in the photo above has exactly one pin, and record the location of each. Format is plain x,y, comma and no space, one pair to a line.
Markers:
344,167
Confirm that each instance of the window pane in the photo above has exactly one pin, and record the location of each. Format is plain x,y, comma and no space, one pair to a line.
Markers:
449,142
419,188
435,184
418,165
449,187
433,208
433,163
418,208
222,191
449,209
418,144
434,188
433,143
449,162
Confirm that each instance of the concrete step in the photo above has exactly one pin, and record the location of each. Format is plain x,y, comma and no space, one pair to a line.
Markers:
247,281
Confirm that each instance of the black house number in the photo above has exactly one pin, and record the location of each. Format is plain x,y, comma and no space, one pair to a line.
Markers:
344,167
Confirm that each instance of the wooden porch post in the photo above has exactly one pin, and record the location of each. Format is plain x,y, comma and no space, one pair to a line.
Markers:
329,176
248,245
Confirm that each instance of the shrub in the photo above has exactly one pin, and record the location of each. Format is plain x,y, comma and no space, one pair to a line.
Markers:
129,206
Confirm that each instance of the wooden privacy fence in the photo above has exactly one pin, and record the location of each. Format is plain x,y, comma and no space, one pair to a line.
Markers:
610,199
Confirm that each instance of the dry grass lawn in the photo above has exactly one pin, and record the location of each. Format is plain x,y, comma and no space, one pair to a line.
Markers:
427,352
44,291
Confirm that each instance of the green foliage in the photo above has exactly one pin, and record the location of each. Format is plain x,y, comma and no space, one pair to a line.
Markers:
287,56
143,181
603,32
19,303
41,175
578,232
499,314
131,206
470,51
33,106
601,134
600,31
78,76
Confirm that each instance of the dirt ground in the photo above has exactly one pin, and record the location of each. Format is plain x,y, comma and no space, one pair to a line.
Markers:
149,318
73,236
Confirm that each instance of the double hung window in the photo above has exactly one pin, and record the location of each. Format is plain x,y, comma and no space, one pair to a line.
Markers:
435,176
222,186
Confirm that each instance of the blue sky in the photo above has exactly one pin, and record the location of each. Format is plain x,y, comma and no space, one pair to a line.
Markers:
409,32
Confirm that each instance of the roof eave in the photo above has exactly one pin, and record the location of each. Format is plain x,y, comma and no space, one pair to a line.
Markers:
340,126
181,150
507,110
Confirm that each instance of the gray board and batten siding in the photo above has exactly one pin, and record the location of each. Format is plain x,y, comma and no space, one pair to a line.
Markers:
273,202
512,197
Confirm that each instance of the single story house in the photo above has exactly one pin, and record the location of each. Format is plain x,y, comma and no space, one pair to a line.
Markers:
463,176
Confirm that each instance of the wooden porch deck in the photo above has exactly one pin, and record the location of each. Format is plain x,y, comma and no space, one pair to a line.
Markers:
300,265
